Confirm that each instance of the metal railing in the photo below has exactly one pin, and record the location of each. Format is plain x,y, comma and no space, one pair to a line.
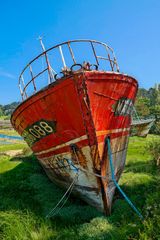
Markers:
52,75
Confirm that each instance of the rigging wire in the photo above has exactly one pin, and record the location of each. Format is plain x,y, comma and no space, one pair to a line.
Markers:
58,208
65,197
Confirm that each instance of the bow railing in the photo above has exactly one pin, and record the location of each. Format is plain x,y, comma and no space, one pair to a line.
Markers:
62,59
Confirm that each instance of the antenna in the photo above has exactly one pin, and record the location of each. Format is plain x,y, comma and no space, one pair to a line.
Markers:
41,42
51,71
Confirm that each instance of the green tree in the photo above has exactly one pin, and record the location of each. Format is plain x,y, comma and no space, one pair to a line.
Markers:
142,106
1,111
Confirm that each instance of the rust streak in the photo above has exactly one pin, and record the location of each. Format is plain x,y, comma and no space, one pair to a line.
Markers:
104,95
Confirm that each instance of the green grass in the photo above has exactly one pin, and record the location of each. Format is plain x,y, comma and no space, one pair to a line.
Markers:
4,117
13,146
27,195
10,132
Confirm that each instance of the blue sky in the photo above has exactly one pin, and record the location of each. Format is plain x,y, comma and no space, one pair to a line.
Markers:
131,28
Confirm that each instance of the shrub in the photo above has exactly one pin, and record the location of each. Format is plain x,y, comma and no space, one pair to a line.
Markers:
154,149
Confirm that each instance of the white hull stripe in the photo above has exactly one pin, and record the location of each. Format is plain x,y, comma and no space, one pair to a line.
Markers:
84,137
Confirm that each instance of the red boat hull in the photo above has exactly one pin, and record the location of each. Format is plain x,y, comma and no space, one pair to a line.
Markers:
66,125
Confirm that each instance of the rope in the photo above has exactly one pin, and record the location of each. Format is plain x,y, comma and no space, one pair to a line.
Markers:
116,184
57,209
61,203
87,171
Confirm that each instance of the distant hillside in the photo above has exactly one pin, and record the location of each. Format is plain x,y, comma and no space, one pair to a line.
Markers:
6,110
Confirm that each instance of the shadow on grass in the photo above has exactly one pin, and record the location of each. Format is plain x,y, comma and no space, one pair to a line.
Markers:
26,187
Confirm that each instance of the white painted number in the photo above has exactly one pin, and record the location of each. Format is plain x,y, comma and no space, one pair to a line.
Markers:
46,127
37,131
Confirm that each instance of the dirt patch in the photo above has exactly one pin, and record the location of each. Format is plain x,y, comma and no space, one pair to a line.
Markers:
13,153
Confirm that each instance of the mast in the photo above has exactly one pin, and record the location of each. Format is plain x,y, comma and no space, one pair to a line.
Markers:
51,72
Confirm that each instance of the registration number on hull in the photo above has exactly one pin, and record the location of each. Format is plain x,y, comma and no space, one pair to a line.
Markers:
38,130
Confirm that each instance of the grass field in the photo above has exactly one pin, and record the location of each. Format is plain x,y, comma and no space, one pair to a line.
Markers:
9,132
27,195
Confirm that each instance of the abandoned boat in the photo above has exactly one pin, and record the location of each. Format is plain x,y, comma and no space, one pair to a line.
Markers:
141,127
73,99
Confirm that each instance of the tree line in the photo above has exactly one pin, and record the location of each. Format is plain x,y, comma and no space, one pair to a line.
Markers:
147,105
6,110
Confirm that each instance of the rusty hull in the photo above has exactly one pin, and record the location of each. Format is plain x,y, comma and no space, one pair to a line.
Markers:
73,117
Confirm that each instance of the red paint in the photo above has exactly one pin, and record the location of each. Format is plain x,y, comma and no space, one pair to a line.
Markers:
86,107
76,108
